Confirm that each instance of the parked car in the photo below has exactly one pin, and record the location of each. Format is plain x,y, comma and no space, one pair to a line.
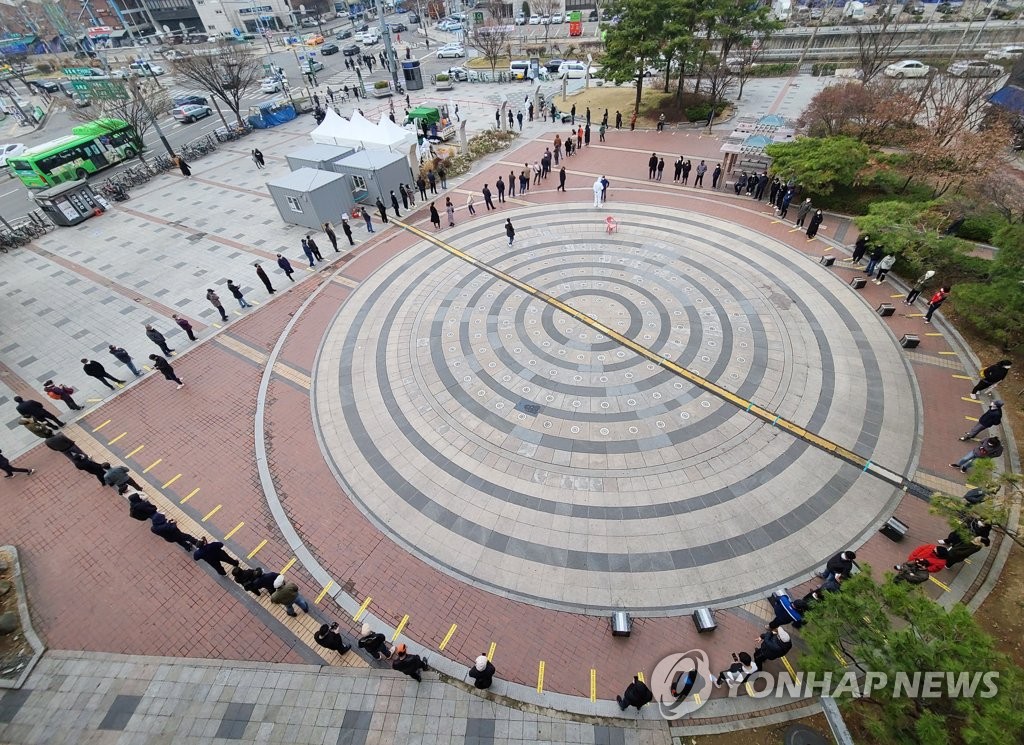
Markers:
186,100
451,50
1005,54
81,100
592,16
974,68
48,86
553,65
574,69
10,150
458,74
271,85
190,113
520,19
414,19
328,49
545,20
144,69
557,18
914,10
351,50
343,34
397,27
534,20
908,68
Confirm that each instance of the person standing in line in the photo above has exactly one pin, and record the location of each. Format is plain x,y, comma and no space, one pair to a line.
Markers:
605,183
618,120
632,121
432,182
10,469
702,168
124,358
410,664
185,326
992,375
861,247
842,563
35,409
877,254
990,447
482,673
119,478
257,158
579,137
598,189
307,251
442,175
511,183
716,175
600,132
332,236
519,118
784,207
60,392
94,369
286,267
39,429
374,643
449,208
394,203
884,266
741,669
347,230
264,278
812,229
236,292
435,218
61,443
935,302
652,167
803,212
87,464
677,172
368,220
405,198
421,184
992,417
157,338
170,532
329,638
919,285
661,168
687,167
313,247
636,694
140,508
183,167
487,198
499,185
214,299
510,231
524,180
287,594
164,368
469,204
561,180
586,135
214,555
772,645
382,210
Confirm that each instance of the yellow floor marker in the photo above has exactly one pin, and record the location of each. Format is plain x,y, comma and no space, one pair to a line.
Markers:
212,512
540,677
136,450
945,588
289,565
233,531
899,294
93,400
962,377
789,669
152,465
948,353
971,418
970,400
938,333
362,608
97,429
696,699
490,651
839,655
175,478
323,592
750,689
447,637
256,550
401,625
827,248
189,495
593,685
915,315
216,325
111,442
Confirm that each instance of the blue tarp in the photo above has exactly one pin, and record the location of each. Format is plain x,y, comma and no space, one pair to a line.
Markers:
271,114
1010,97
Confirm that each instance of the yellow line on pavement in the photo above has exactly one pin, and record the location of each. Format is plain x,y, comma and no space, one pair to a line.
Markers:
696,699
640,676
93,400
593,685
970,400
490,651
540,677
362,608
789,668
447,637
934,333
839,655
945,588
189,495
233,531
899,294
256,550
289,565
171,481
152,465
97,429
211,513
949,353
962,377
971,418
111,442
327,587
915,315
132,453
401,625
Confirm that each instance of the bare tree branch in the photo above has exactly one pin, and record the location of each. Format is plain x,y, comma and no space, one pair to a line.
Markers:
227,71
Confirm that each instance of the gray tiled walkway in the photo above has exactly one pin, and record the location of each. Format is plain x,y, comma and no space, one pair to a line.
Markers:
82,698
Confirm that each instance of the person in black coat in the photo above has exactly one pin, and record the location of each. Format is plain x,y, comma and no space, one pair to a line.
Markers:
264,278
214,555
170,532
329,638
166,369
84,463
435,217
374,643
991,375
157,338
140,508
286,267
482,673
860,248
382,210
772,645
991,418
816,220
61,443
258,581
637,694
410,664
94,369
510,231
35,409
841,563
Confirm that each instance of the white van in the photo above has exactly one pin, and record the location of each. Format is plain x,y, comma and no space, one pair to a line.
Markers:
573,70
519,69
145,69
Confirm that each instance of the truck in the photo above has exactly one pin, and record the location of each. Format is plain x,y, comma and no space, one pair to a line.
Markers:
432,123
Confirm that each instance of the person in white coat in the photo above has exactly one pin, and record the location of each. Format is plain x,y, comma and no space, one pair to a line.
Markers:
598,188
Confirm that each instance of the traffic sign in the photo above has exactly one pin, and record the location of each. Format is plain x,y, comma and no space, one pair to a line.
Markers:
101,90
78,71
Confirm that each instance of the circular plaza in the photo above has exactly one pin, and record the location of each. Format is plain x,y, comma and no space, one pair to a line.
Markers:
501,437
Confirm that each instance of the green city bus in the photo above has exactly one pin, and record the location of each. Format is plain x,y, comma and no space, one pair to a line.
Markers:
89,148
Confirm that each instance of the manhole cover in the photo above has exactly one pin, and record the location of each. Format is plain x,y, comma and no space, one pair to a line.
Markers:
798,734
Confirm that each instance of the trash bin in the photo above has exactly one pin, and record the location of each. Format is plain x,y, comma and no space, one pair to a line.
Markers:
69,203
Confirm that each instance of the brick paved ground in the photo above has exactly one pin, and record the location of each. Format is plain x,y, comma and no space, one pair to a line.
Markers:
78,560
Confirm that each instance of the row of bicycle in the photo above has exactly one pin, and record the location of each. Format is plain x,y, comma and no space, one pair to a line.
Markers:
34,225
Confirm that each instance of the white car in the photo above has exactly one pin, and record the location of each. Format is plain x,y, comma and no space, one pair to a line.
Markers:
451,50
270,85
1004,54
545,20
974,68
190,113
520,20
908,68
11,150
574,69
534,20
449,25
557,18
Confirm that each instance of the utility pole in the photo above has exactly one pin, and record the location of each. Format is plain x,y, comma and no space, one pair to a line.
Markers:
133,85
389,51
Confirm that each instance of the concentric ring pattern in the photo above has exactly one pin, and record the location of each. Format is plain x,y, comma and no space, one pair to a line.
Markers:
512,446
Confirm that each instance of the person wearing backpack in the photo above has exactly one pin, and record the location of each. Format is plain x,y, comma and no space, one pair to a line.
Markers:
990,447
636,694
329,638
59,392
287,594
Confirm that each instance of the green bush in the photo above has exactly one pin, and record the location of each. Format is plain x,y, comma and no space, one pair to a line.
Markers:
700,112
381,85
824,68
771,70
980,227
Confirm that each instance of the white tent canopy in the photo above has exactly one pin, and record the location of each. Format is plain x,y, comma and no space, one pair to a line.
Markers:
354,132
395,135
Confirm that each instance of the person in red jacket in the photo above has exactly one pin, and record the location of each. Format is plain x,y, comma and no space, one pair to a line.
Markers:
935,302
928,556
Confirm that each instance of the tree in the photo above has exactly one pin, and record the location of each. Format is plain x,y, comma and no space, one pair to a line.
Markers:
719,79
492,38
20,67
140,102
1002,488
877,43
546,8
819,164
869,113
227,73
635,41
